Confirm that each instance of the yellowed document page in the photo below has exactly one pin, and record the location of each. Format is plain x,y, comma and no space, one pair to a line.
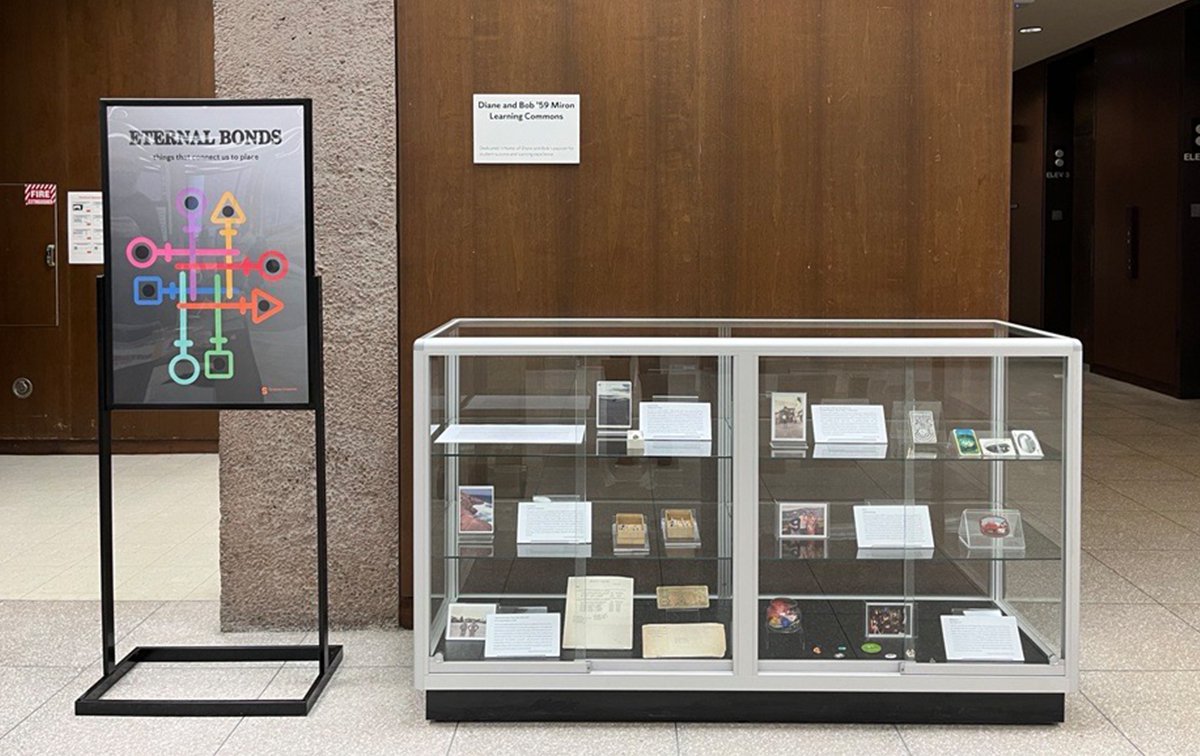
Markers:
684,640
599,613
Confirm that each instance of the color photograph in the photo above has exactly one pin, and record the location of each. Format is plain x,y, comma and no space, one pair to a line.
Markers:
888,620
476,510
803,520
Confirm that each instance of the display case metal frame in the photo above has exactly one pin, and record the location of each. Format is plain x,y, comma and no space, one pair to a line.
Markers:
916,690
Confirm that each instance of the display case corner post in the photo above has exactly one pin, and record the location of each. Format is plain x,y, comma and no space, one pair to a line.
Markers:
421,493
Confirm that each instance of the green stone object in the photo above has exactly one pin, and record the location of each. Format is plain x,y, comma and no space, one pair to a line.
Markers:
871,648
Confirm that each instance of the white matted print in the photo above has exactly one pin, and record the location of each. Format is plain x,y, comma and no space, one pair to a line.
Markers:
1027,443
614,404
468,621
803,520
888,620
476,510
789,417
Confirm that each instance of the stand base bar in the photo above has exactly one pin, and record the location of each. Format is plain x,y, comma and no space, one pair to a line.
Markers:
747,706
92,702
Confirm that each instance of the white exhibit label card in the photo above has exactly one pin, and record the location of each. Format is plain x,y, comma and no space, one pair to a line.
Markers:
496,433
85,228
675,421
904,526
599,613
526,128
850,451
522,635
848,424
981,637
554,522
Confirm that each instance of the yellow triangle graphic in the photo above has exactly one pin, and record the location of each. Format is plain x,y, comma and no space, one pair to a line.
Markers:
218,214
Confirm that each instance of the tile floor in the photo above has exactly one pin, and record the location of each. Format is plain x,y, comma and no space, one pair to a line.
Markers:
1140,624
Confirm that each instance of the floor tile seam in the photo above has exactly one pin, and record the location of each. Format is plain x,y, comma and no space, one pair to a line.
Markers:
1136,587
229,735
36,709
453,735
1108,719
903,742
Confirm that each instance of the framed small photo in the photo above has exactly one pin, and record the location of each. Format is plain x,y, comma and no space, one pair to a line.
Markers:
614,405
789,418
889,620
476,510
924,428
998,448
1027,444
468,622
803,520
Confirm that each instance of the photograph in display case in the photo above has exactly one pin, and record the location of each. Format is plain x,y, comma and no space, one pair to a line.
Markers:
789,419
614,405
998,448
476,511
803,520
468,622
966,442
1027,444
888,620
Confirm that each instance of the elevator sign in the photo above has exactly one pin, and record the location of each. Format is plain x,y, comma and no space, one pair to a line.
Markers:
526,128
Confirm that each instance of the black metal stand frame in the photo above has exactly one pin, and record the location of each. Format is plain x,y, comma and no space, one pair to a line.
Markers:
328,657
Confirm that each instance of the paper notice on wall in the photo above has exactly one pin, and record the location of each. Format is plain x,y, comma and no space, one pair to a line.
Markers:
526,128
85,228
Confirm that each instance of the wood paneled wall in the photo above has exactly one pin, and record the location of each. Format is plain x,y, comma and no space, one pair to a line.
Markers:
765,158
57,59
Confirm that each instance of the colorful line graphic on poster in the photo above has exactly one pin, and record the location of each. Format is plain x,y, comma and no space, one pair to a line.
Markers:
207,253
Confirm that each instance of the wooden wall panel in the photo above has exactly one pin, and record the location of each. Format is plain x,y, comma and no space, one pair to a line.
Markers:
1139,75
763,158
100,48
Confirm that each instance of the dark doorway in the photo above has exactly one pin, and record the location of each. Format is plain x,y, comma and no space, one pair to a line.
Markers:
1070,160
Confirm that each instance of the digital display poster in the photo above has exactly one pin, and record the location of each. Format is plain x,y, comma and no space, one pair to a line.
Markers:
207,252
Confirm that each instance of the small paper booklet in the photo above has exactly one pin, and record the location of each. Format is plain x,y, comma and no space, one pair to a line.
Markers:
849,424
554,522
981,637
599,613
893,526
522,635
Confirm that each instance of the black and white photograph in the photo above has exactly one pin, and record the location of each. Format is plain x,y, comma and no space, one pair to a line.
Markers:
889,620
789,418
468,621
1026,442
998,448
614,405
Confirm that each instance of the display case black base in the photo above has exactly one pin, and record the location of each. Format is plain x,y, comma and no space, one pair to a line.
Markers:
93,703
742,706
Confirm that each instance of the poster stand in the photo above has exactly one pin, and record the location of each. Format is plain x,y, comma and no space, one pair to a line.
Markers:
328,657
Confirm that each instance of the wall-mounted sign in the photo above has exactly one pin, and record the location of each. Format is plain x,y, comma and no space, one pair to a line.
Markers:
85,228
208,251
526,128
41,194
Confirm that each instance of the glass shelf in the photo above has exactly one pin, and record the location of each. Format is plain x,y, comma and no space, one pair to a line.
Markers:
594,446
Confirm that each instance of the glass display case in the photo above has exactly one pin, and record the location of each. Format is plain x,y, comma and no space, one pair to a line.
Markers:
810,520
